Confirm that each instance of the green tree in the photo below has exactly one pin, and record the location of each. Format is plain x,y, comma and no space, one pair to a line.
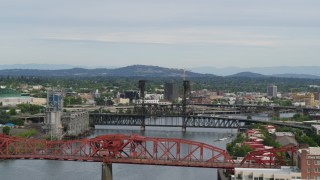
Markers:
100,101
128,111
12,112
6,130
242,151
285,103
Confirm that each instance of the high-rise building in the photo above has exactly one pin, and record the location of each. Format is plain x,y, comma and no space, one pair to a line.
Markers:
171,91
272,91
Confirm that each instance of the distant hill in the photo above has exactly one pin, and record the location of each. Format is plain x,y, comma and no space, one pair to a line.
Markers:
226,71
129,71
38,66
304,76
248,74
48,66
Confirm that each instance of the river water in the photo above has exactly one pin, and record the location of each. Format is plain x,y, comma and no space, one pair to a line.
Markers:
69,170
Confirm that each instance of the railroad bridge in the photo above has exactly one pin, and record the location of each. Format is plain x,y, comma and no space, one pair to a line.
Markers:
194,109
183,121
136,149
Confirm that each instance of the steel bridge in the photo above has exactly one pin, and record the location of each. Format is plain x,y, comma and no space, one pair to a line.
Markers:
180,121
136,149
177,109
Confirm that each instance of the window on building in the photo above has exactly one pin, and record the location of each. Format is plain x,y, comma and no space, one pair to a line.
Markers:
256,178
317,178
308,162
308,170
315,169
298,177
293,177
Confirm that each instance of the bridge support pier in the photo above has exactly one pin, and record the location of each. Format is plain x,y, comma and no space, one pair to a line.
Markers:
184,128
276,113
142,128
106,173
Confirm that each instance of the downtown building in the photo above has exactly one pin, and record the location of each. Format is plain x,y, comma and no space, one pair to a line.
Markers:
272,91
171,91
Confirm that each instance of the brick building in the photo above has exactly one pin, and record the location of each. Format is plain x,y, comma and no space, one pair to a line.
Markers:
309,163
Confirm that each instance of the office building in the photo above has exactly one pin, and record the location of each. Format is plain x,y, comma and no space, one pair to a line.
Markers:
272,91
171,91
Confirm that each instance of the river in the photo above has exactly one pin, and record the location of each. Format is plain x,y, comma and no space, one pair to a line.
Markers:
69,170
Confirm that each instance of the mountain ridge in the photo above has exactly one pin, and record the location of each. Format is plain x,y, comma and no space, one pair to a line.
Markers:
139,70
133,70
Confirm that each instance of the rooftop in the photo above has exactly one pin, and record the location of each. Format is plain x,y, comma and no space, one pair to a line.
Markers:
314,150
4,93
284,170
311,150
284,134
317,127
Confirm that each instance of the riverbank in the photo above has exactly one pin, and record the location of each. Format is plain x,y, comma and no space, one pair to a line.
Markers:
30,131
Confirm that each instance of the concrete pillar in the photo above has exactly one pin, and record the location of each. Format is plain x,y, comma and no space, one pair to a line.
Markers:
276,113
106,172
142,127
184,124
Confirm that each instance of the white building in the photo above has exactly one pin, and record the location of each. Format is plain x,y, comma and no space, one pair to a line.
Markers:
285,173
316,128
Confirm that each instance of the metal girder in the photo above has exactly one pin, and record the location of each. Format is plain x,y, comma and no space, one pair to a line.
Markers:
119,148
270,158
111,119
136,149
210,122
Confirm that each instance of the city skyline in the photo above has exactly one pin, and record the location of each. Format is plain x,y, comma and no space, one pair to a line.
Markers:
173,34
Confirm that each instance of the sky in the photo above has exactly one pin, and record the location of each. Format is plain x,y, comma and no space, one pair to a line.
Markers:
168,33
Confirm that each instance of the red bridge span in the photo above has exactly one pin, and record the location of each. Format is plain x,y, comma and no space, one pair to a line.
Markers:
136,149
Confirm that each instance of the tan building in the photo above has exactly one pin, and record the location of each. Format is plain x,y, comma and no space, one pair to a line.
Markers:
39,101
307,98
284,173
86,96
121,100
37,87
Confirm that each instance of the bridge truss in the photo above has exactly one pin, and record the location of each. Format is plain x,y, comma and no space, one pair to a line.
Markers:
136,149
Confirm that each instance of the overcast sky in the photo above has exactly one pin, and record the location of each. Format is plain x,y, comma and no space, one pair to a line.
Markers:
169,33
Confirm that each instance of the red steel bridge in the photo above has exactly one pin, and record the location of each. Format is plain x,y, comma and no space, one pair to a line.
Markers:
136,149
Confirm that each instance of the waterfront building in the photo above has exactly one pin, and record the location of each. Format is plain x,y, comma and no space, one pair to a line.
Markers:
284,173
171,91
272,91
75,123
10,97
53,125
309,162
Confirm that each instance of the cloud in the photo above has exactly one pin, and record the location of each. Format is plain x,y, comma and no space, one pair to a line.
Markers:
182,36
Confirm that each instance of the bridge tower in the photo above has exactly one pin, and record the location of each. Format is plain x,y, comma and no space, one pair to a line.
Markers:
142,87
53,124
186,92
